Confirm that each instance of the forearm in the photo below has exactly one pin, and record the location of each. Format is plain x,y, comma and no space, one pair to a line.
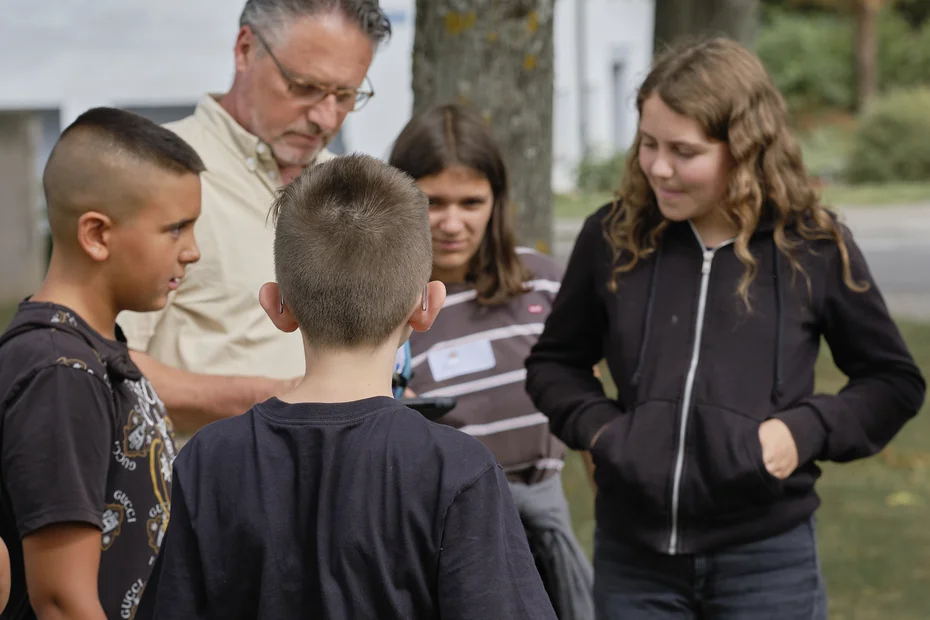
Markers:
70,608
859,421
573,400
194,400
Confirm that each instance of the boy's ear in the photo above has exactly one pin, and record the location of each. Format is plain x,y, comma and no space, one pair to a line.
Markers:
93,235
275,307
421,320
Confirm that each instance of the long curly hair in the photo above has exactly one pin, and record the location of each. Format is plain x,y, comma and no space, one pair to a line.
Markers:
727,90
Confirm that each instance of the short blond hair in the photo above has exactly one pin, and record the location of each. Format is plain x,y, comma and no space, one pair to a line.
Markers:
352,250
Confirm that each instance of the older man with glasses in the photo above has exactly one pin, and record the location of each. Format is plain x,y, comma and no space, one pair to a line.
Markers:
301,67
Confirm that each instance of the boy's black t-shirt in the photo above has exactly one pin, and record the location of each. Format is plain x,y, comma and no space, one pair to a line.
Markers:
83,438
350,510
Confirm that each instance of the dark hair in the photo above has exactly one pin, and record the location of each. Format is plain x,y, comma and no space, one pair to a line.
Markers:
449,135
95,161
269,16
352,250
137,137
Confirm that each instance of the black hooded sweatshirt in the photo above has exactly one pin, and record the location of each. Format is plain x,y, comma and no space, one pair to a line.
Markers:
679,467
83,438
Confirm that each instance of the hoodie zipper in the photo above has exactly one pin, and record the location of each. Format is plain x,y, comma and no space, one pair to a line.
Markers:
689,386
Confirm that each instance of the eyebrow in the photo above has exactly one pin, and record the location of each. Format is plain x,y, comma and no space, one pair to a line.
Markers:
690,145
179,224
441,196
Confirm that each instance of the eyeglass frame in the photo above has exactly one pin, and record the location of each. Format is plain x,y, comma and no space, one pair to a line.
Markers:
324,89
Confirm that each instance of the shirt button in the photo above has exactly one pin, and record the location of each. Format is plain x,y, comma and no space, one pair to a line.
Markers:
273,175
250,163
261,148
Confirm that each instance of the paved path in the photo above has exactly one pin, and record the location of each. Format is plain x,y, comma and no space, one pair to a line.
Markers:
894,239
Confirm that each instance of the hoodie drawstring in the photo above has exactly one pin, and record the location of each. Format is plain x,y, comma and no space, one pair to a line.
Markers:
647,323
777,385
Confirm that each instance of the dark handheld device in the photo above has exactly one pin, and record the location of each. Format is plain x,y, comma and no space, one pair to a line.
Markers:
431,408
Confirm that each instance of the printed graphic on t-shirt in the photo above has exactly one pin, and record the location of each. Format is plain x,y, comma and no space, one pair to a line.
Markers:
147,434
61,316
144,454
112,524
80,378
131,600
155,527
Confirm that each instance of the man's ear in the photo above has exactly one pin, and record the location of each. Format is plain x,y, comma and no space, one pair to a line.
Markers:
243,50
275,307
94,231
435,296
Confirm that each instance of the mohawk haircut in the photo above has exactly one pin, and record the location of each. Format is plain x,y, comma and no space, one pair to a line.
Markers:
96,165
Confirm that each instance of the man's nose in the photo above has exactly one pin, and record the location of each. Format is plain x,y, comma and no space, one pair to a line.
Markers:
326,114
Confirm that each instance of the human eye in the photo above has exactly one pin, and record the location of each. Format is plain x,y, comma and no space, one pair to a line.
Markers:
308,91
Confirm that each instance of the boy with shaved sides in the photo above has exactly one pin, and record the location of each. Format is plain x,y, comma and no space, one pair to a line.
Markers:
335,500
85,445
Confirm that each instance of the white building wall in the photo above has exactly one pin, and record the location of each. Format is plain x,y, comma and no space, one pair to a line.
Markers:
616,32
69,55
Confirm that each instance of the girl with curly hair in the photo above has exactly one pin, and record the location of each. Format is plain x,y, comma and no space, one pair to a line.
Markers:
708,284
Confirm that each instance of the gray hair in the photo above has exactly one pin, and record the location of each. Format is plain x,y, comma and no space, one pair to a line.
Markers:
269,16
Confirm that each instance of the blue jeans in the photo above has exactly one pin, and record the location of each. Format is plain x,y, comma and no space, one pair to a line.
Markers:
777,578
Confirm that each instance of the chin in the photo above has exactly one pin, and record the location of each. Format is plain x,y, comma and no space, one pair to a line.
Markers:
674,214
151,305
451,265
290,156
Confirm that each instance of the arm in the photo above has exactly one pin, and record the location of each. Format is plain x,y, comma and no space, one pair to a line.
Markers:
176,586
485,566
194,400
885,387
57,439
5,576
61,564
559,375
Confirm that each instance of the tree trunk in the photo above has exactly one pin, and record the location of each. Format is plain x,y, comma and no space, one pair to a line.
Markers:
866,50
497,57
681,19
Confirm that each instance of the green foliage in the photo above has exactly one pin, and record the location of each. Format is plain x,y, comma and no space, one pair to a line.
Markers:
903,53
811,59
811,56
600,174
892,140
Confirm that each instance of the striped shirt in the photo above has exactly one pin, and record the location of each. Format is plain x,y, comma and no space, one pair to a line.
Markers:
476,353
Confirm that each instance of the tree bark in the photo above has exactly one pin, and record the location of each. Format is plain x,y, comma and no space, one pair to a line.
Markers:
866,50
681,19
497,57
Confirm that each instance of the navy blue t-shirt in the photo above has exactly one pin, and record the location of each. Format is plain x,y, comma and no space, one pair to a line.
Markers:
350,510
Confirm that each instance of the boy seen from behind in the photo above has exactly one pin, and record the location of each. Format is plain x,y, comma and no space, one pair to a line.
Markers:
85,445
336,501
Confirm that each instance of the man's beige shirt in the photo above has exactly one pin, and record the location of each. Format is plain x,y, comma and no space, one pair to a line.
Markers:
213,322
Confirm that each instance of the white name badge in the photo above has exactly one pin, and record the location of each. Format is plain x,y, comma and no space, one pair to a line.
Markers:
461,360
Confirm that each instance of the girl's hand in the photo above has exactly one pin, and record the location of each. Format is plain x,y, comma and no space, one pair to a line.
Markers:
779,452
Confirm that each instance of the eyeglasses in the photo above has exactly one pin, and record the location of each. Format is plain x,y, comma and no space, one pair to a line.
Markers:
310,92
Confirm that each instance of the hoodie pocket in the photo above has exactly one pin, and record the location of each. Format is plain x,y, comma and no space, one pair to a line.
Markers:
724,471
634,456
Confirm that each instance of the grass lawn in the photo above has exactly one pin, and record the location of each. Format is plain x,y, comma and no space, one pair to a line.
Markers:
874,524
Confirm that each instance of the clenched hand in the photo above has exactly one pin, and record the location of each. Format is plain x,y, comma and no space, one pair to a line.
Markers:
779,452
